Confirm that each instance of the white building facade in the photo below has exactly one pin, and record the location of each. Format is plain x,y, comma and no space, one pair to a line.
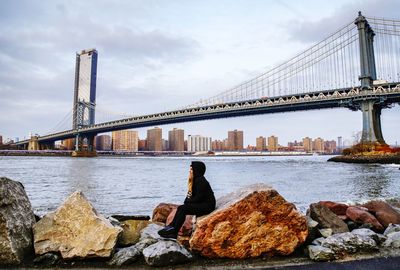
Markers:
197,143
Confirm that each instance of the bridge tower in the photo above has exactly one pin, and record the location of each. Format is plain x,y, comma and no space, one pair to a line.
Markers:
84,97
371,109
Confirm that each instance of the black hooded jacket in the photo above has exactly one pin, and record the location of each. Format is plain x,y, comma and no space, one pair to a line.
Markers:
201,190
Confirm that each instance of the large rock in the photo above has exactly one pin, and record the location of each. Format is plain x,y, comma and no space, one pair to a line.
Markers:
393,240
337,208
166,252
75,230
327,219
392,228
383,212
320,254
16,221
130,254
254,220
131,231
162,211
187,227
343,243
360,215
378,238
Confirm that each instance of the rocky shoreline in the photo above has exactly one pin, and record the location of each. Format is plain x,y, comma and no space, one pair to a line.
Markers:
252,228
367,159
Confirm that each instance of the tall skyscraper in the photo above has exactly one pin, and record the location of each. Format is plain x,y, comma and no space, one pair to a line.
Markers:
197,143
235,140
339,142
125,140
307,144
176,139
103,143
154,139
85,88
318,145
272,143
261,143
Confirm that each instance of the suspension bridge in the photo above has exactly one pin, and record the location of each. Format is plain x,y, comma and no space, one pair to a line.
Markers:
357,67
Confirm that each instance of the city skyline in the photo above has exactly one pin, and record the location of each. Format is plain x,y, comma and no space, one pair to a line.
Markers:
151,62
128,140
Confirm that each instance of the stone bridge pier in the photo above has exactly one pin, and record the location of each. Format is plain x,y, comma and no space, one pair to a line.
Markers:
371,116
84,146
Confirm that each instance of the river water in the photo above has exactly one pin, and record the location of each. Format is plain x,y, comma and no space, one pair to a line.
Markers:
135,185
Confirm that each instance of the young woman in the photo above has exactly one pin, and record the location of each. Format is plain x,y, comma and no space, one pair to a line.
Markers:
199,201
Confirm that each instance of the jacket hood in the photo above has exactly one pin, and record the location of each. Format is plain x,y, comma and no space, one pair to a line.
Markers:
199,168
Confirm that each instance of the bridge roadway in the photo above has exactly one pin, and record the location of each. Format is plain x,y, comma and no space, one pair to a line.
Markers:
388,93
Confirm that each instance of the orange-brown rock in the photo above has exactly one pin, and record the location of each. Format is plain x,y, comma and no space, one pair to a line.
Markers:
162,211
337,208
253,221
187,226
361,215
383,212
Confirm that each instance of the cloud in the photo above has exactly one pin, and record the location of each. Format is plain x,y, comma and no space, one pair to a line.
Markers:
310,30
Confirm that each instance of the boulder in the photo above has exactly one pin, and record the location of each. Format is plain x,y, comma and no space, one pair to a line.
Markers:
320,254
131,231
75,230
187,227
343,243
253,221
130,254
337,208
166,252
162,211
393,240
392,228
378,238
151,232
327,219
16,221
362,216
383,212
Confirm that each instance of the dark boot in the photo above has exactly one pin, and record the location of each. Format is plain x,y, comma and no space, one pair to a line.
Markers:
168,232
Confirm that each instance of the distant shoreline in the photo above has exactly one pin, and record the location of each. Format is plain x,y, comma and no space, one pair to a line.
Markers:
50,153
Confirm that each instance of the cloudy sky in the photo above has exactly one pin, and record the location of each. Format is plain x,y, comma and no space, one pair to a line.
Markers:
162,55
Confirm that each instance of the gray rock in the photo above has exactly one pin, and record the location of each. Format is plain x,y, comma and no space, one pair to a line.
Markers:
166,252
151,232
378,238
348,243
321,254
327,219
392,228
318,241
393,240
16,221
47,259
130,254
325,232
